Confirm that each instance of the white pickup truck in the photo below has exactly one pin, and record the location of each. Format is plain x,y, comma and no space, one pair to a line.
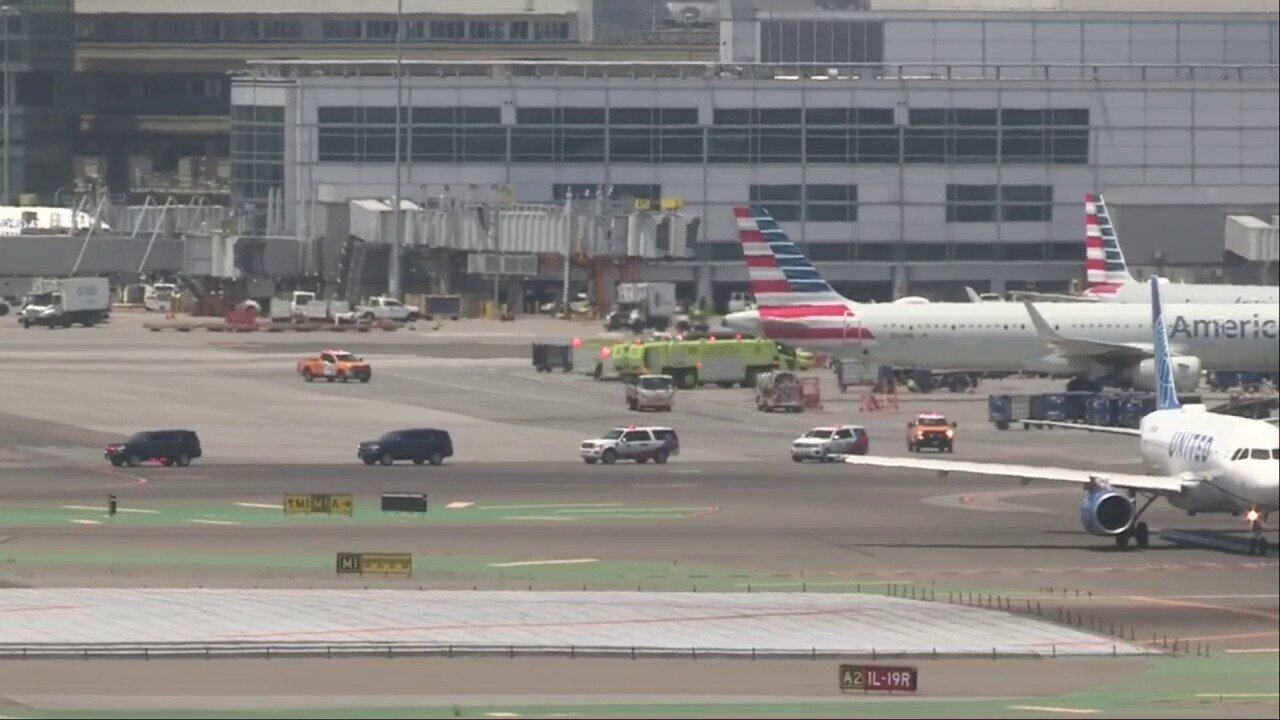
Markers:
385,308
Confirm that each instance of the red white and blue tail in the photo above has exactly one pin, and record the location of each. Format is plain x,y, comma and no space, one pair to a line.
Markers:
780,274
1105,269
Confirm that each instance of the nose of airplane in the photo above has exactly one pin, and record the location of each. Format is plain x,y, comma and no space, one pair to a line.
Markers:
744,321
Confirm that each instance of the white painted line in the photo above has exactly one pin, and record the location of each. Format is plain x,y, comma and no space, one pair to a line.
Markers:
664,486
826,583
458,505
95,508
690,471
550,505
264,506
1066,710
524,563
1245,651
540,517
1238,695
211,522
86,522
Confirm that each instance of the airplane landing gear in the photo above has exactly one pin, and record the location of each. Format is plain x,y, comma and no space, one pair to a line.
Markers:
1257,544
1138,531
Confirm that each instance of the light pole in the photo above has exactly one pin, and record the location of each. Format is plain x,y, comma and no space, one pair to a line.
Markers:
393,267
6,13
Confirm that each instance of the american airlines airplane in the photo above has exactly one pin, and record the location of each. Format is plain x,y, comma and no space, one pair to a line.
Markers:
1199,461
1107,277
1097,344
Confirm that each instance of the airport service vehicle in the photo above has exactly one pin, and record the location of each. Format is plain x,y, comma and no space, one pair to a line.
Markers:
643,305
632,443
779,390
385,308
159,297
931,430
651,392
695,362
1199,461
304,305
1097,344
168,447
419,445
739,301
1108,279
827,442
63,302
335,365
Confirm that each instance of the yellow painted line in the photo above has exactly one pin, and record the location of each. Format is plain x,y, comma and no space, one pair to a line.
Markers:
1242,651
525,563
1067,710
119,509
211,522
263,506
459,505
1204,606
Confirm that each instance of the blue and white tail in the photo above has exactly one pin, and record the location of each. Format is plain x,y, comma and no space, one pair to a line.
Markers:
1105,269
780,274
1166,390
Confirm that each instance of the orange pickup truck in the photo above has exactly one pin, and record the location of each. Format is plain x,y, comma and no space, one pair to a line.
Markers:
931,429
335,365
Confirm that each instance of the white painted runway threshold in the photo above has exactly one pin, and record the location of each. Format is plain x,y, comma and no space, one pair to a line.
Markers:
66,621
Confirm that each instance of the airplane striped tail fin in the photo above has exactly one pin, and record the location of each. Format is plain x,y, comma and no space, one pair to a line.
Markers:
780,274
1105,268
1166,389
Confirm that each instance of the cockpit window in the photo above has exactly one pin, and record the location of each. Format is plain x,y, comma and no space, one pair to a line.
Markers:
1259,454
1238,454
1275,453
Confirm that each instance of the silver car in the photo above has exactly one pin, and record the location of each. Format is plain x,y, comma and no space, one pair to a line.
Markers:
632,443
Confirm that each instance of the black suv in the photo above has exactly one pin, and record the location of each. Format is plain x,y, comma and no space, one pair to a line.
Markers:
169,447
419,445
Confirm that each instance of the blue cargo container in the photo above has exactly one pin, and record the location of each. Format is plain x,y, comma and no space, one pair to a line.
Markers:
1055,407
1101,410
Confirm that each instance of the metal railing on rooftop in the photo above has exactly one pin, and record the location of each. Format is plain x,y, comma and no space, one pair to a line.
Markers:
898,72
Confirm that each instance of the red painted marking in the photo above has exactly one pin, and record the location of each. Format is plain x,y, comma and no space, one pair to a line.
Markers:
803,311
1095,264
742,212
1093,241
770,286
751,236
1090,197
761,261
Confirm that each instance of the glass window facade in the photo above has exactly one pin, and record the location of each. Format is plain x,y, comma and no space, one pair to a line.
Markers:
257,153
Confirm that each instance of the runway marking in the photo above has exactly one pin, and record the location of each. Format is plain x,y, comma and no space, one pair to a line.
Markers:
212,522
560,518
991,501
1233,636
1251,651
1238,695
663,486
689,471
141,511
1043,709
263,506
824,583
459,505
526,563
547,506
79,521
1203,606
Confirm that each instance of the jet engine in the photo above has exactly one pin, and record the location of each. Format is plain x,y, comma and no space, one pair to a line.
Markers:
1186,374
1106,512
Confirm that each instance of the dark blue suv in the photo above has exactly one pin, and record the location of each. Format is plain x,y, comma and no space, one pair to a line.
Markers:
168,447
419,445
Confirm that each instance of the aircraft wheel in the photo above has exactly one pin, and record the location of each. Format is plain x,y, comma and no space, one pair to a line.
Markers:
1141,534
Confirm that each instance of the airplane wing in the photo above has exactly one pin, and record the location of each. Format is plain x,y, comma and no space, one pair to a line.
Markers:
972,294
1273,421
1075,347
1050,297
1133,432
1026,473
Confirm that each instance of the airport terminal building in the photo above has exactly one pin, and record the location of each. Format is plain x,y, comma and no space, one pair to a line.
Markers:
933,148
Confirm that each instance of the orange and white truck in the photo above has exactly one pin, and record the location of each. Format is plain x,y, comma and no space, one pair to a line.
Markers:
335,365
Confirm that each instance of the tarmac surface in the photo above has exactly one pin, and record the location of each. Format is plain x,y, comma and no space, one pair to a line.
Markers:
731,513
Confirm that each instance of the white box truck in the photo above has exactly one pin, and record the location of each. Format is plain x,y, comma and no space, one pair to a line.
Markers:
63,302
643,305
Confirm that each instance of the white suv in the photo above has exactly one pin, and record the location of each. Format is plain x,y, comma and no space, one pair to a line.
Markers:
822,443
632,443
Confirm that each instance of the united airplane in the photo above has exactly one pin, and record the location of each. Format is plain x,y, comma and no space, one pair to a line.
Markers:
1199,461
1095,344
1108,280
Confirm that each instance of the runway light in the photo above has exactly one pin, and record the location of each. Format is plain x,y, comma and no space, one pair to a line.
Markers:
605,353
711,339
577,343
1252,516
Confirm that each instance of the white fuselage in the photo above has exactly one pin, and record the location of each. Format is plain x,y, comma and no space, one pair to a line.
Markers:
1001,337
1174,293
1193,443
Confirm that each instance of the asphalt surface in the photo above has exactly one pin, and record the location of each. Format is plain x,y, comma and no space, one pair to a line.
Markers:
731,513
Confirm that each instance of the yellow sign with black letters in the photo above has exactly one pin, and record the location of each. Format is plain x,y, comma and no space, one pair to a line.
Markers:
350,563
323,504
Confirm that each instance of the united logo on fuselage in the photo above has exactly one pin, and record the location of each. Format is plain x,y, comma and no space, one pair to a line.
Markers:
1195,447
